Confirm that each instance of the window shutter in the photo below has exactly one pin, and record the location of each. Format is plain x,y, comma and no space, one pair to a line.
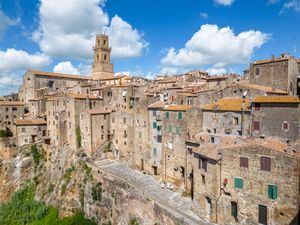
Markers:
167,115
272,191
244,162
204,164
154,125
265,163
234,209
180,115
170,128
256,125
238,183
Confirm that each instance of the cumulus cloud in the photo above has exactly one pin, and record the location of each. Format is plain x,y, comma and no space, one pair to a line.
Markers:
14,63
69,30
65,67
125,41
224,2
13,59
216,46
216,71
68,68
6,22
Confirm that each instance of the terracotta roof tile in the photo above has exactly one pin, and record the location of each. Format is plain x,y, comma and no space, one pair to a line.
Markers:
177,107
276,99
157,105
232,104
11,103
43,73
30,122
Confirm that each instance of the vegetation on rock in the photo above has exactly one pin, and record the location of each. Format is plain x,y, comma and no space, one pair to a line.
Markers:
22,209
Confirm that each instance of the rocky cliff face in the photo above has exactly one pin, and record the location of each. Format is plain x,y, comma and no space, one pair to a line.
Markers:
65,180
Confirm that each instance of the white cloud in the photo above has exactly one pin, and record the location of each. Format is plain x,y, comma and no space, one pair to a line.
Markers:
65,67
6,22
214,46
292,4
224,2
69,30
216,71
13,59
13,65
125,41
68,68
204,15
273,1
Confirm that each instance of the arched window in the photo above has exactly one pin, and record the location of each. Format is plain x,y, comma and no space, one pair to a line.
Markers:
285,126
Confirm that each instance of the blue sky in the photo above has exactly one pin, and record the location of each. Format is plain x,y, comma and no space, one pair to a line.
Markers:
147,37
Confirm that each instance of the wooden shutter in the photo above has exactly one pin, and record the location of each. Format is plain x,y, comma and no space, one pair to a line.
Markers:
265,163
272,191
244,162
180,115
234,209
154,125
256,125
238,183
262,214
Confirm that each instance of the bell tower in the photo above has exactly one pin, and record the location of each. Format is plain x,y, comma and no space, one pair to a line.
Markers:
102,68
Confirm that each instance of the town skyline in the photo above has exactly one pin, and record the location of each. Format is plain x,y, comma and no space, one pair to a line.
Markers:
40,35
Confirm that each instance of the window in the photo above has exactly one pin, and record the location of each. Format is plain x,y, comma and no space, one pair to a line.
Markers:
140,135
170,129
238,183
285,126
180,115
154,152
257,71
154,125
212,139
14,109
244,162
234,209
256,125
102,127
235,120
265,163
154,112
178,130
168,115
158,128
124,120
102,137
6,109
202,163
256,107
203,179
262,215
272,191
104,117
159,138
23,130
50,83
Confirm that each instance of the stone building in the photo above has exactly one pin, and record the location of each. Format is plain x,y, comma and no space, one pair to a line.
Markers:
30,130
123,136
177,122
37,84
102,68
260,185
279,73
10,111
95,129
276,116
155,115
227,116
63,116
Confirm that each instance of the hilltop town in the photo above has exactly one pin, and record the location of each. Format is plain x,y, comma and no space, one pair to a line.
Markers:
227,146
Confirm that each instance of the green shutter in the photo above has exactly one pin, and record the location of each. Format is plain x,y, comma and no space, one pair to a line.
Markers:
234,210
177,130
154,152
170,129
140,135
272,191
180,115
238,183
167,115
154,125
